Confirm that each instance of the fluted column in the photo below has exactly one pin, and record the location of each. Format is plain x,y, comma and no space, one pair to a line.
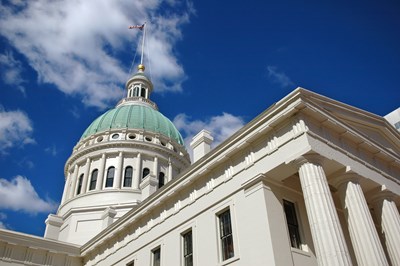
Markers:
86,176
327,234
364,237
100,177
73,182
388,217
118,174
138,171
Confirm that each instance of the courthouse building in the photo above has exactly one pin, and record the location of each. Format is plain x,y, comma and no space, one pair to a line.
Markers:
310,181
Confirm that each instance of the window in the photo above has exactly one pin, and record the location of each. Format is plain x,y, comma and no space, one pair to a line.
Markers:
143,93
146,171
80,180
161,179
136,91
225,231
157,256
187,248
128,176
132,263
93,179
293,225
110,176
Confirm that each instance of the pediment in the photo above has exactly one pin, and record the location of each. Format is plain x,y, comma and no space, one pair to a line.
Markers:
370,126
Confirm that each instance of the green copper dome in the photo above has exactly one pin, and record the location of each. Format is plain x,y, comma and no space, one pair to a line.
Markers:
134,117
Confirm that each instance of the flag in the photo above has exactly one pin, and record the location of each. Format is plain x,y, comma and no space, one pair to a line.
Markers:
140,27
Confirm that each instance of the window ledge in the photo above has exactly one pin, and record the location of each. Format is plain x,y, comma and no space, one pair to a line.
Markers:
229,261
301,252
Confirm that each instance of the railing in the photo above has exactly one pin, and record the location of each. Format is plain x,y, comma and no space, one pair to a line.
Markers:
138,99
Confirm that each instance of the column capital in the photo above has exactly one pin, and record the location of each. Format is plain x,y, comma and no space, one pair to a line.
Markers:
342,178
313,158
381,193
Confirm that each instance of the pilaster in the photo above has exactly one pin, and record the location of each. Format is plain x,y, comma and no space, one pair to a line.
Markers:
118,173
86,176
73,182
138,171
100,177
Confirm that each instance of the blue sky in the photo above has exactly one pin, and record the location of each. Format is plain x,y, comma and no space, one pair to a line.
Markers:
215,65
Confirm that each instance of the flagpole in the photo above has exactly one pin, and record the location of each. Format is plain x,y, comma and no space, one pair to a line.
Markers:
144,36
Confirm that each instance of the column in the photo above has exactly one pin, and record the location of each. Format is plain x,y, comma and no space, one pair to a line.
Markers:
66,186
86,176
100,177
327,234
169,171
155,167
388,218
73,182
118,171
138,172
364,237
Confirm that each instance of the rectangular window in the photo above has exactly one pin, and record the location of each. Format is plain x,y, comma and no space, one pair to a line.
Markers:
225,231
188,248
157,256
292,223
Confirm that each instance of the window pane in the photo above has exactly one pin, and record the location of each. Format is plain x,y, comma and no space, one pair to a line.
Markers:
291,220
187,249
226,237
146,171
160,179
79,185
157,257
110,176
93,180
128,176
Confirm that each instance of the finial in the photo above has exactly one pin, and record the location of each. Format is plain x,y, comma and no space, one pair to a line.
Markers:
141,67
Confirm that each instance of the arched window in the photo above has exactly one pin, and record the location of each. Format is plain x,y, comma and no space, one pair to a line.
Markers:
128,176
143,93
80,180
110,176
161,179
136,91
146,171
93,179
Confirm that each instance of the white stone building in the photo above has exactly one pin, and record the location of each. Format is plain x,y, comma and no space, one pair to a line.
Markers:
310,181
394,118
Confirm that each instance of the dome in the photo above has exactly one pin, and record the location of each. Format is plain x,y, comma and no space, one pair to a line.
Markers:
134,116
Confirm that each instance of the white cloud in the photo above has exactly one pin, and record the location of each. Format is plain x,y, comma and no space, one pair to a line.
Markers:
19,195
221,127
2,225
15,129
279,77
76,44
3,216
11,71
52,150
